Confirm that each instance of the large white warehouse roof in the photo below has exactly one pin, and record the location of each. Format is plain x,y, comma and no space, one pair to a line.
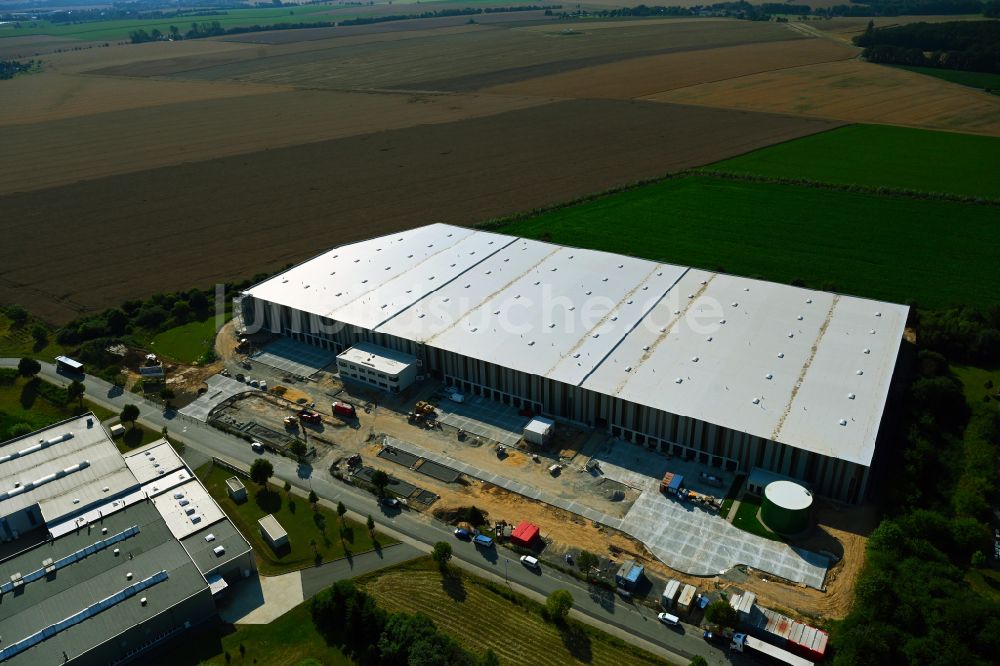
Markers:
806,368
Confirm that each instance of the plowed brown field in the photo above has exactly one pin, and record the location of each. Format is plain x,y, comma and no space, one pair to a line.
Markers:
853,91
653,74
90,245
45,154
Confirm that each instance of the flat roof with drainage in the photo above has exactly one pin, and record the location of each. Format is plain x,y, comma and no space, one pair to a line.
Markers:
802,367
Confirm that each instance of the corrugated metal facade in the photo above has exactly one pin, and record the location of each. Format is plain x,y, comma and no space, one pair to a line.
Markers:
656,429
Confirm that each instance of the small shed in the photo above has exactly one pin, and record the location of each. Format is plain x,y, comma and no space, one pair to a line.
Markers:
685,598
524,534
539,430
117,430
237,491
629,575
669,595
272,531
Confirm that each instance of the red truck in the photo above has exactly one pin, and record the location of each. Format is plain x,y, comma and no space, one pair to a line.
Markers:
344,410
309,416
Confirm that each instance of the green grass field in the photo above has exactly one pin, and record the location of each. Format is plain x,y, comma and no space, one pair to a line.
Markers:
982,80
291,640
480,614
296,515
118,30
896,249
975,380
883,156
186,343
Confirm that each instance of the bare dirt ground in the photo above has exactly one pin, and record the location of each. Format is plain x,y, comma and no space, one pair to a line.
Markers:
853,91
654,74
212,221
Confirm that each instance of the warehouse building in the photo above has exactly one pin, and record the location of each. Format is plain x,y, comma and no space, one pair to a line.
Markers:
105,555
729,371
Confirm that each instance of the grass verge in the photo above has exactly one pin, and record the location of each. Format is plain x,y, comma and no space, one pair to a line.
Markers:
481,614
856,243
16,342
746,518
314,535
36,405
290,640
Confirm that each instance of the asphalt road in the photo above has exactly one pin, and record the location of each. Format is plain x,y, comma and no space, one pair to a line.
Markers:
635,624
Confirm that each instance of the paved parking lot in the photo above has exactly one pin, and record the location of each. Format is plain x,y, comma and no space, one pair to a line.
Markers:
219,389
295,358
486,418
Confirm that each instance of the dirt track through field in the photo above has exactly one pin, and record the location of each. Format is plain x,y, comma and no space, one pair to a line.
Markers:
106,240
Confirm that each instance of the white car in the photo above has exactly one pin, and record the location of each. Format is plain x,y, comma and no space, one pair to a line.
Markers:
668,619
530,562
256,447
456,397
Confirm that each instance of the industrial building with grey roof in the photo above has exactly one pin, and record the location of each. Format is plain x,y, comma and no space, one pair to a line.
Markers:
101,567
735,372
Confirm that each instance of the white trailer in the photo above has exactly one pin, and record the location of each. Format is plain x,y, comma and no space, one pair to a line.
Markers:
743,643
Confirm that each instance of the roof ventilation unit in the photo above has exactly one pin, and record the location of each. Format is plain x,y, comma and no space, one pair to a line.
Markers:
851,396
678,380
860,372
781,354
756,401
708,339
843,422
809,300
769,376
867,350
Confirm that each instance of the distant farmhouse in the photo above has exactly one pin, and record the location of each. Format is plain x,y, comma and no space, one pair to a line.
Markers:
737,373
105,556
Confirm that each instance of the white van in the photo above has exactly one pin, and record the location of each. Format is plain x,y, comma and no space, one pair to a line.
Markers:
668,619
530,562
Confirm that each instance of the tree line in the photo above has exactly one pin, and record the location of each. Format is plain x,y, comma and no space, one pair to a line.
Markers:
11,68
215,29
913,602
963,45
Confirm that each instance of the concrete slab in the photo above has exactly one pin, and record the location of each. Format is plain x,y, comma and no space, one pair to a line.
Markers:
295,358
261,600
219,389
483,417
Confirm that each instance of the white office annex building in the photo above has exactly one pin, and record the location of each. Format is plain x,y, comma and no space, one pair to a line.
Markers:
740,373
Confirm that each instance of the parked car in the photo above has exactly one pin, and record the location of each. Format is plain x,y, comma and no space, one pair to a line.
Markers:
668,619
455,396
309,416
391,502
531,562
254,383
712,637
462,534
483,540
256,447
240,377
